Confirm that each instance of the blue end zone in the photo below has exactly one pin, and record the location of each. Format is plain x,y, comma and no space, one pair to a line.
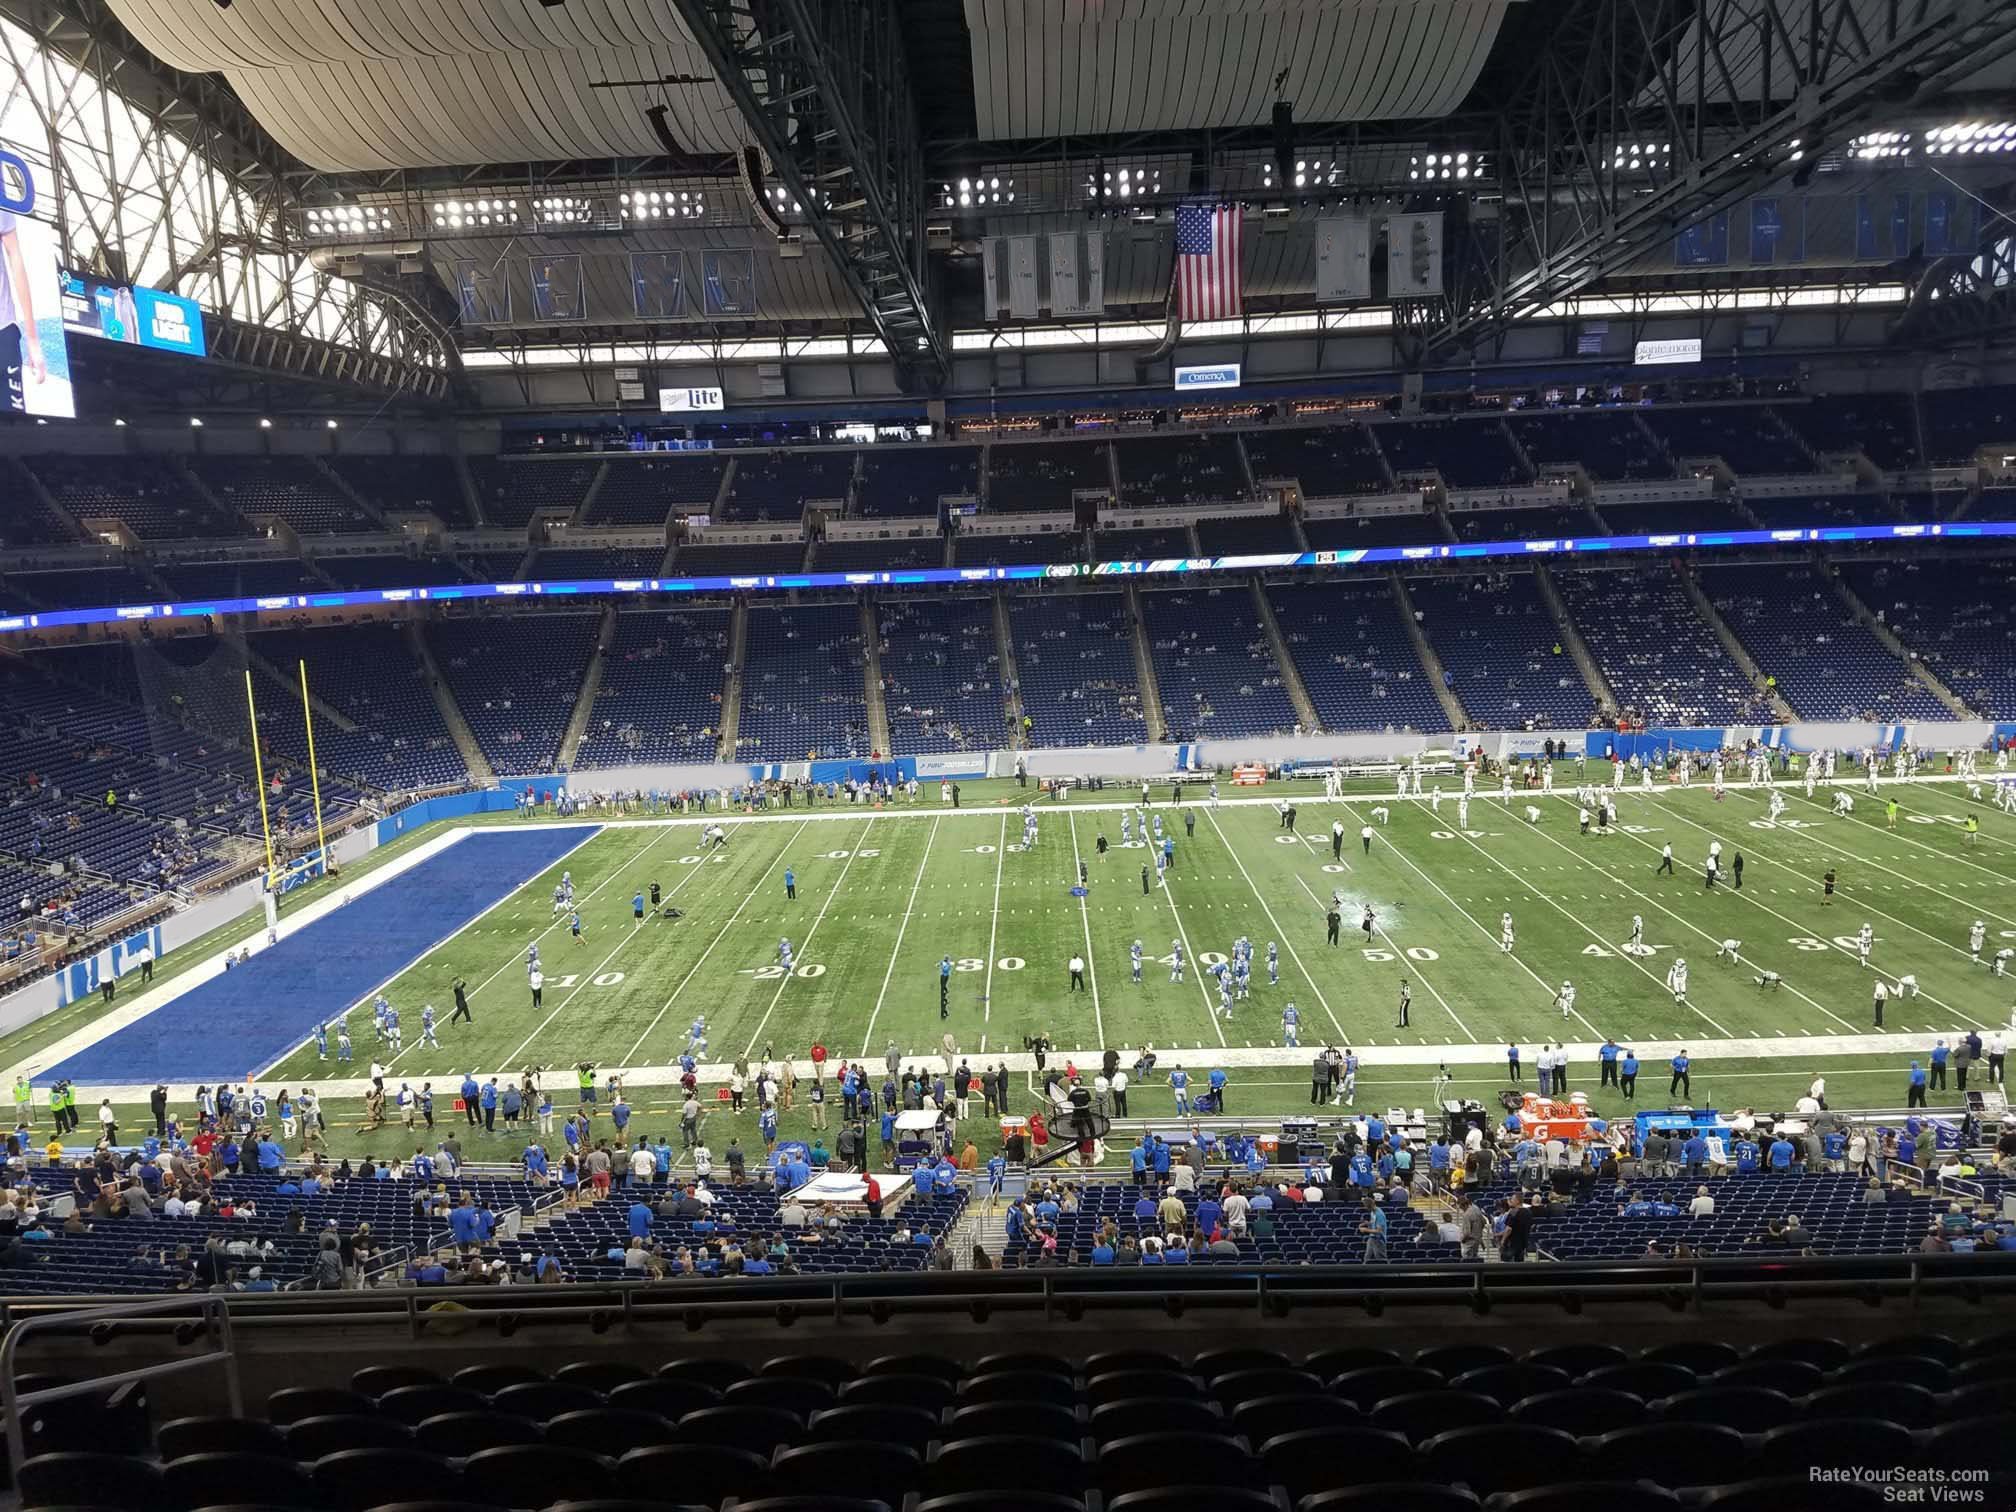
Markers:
251,1017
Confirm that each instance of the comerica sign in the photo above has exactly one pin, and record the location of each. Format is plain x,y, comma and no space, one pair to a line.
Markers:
1224,376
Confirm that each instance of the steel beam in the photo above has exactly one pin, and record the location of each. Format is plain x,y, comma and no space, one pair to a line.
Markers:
824,89
1679,72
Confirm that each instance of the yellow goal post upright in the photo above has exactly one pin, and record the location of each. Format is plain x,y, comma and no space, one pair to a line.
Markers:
259,779
314,773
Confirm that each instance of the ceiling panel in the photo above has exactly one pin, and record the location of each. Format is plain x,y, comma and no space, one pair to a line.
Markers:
367,85
1079,67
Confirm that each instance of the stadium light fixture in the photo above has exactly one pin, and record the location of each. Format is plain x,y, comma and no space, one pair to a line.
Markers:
195,422
1968,138
119,421
1123,183
264,423
1640,155
329,424
1880,144
652,205
1445,167
354,221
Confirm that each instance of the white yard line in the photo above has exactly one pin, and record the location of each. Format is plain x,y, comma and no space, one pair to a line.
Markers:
1861,860
1482,928
1682,920
806,945
1190,961
1809,930
720,934
1802,1047
1842,892
1399,955
1634,962
514,958
587,977
902,928
1091,958
993,929
1286,938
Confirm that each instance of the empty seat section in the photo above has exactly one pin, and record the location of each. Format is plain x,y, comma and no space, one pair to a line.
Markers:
388,571
1840,507
1419,527
777,485
941,674
802,689
1543,522
425,481
1954,614
1828,664
1032,475
660,694
1880,426
150,495
1502,650
1075,657
895,554
516,679
1355,656
294,489
78,588
1180,468
1471,453
1214,664
254,578
1607,443
1247,535
513,489
1671,516
910,480
1327,461
701,560
561,563
1659,657
1748,437
1139,545
1959,422
369,675
646,490
1020,550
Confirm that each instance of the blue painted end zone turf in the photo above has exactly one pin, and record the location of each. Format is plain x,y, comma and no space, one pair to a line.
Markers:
252,1016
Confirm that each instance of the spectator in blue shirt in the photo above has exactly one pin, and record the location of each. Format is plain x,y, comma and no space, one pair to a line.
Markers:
640,1220
1748,1156
1781,1155
1694,1153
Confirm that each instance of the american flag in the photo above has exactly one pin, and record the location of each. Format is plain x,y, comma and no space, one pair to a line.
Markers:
1207,262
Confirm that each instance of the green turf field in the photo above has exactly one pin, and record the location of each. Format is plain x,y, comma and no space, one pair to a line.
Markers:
881,897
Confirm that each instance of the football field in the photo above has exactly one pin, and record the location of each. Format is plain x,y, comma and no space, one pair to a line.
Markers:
882,896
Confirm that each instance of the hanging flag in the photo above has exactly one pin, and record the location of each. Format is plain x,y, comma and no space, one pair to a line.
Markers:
1207,262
